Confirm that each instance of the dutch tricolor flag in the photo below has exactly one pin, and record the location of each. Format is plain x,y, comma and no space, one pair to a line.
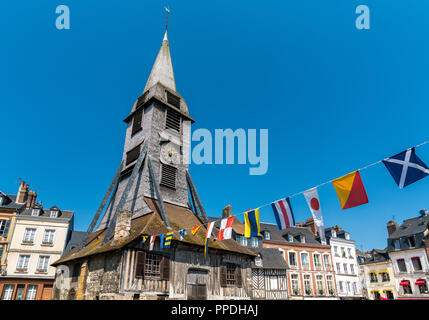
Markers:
283,214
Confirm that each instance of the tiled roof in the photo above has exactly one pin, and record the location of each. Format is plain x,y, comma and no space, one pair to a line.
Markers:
152,224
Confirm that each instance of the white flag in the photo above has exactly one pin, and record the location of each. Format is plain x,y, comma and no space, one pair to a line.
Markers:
312,198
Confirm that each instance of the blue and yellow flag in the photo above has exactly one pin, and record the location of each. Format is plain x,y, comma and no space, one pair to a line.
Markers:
168,237
251,224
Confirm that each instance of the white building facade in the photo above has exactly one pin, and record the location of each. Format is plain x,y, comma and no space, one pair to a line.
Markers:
345,263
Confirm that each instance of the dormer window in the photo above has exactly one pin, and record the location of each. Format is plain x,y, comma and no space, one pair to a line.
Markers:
289,238
267,235
334,233
54,214
411,241
302,239
347,235
35,212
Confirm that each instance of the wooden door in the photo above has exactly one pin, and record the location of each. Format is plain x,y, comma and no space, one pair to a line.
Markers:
196,283
47,292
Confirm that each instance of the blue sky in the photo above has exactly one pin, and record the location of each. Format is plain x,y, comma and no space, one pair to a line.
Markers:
334,98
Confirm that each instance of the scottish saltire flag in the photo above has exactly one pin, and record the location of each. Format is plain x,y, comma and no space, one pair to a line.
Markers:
225,231
151,242
208,234
167,241
283,213
182,233
161,240
251,223
406,168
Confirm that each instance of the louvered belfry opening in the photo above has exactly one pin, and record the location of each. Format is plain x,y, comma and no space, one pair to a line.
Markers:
137,121
173,100
168,176
133,155
173,120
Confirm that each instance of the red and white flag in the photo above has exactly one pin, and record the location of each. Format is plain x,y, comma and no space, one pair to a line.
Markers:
225,231
312,198
151,242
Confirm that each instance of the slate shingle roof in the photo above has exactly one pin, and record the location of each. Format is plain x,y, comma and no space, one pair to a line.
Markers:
411,227
11,202
282,235
75,240
272,258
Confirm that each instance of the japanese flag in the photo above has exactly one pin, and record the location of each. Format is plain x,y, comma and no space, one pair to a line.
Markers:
312,198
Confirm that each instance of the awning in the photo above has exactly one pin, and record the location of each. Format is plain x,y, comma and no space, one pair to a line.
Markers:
420,282
383,271
404,283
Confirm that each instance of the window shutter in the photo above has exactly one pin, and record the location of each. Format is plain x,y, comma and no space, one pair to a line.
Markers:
165,268
223,276
6,228
1,253
137,121
141,259
238,276
172,99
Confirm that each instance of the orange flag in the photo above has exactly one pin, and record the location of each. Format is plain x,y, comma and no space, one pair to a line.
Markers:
195,230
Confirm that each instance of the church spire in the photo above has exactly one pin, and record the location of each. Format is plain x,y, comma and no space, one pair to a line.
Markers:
162,70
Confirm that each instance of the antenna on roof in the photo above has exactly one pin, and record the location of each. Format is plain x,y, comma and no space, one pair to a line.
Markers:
423,212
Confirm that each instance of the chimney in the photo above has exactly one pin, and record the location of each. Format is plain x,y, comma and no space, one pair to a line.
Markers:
392,226
32,196
309,223
123,225
227,212
22,193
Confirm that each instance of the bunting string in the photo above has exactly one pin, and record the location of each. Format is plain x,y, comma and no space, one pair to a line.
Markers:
410,160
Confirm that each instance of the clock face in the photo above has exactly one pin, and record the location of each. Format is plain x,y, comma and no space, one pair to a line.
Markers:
170,153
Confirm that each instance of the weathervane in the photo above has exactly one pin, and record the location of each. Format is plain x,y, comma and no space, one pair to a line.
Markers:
167,12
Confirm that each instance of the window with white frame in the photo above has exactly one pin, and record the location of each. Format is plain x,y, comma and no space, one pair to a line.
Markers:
29,235
338,267
2,225
7,292
267,235
343,252
348,286
273,283
48,237
319,283
304,260
292,259
336,250
317,262
295,284
307,284
355,289
31,292
327,261
43,264
302,237
345,268
35,212
290,238
23,261
330,284
352,268
54,214
340,286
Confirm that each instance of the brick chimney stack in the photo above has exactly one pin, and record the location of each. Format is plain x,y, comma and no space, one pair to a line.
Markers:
123,225
31,201
227,212
309,223
392,226
22,193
